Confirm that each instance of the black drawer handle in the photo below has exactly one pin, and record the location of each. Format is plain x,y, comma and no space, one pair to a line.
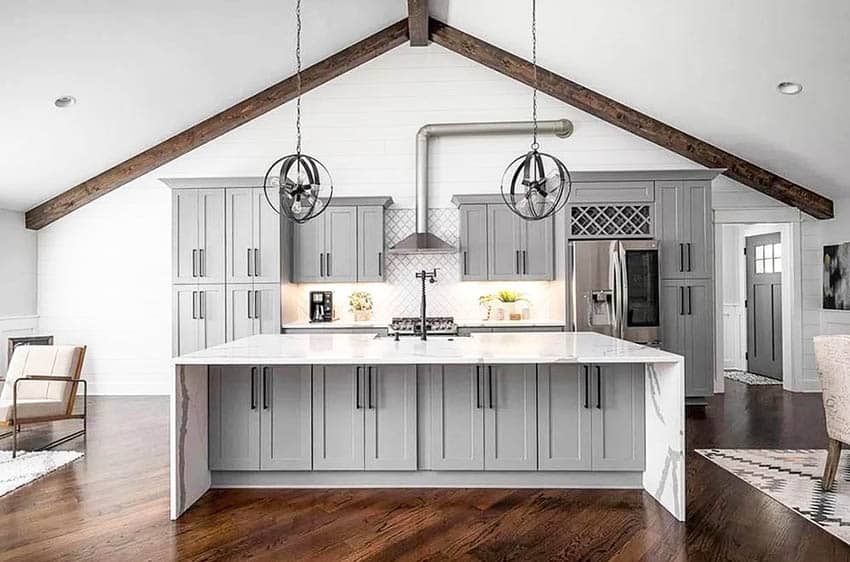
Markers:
253,388
369,388
265,388
490,384
598,387
477,386
586,386
357,387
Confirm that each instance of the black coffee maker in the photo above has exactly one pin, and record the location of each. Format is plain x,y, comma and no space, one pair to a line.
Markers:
321,306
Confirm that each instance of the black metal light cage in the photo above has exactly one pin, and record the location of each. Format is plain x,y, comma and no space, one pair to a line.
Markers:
528,178
309,195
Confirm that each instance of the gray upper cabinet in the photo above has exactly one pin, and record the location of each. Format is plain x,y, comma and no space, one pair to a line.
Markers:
253,238
503,244
457,418
537,246
338,442
370,244
252,309
685,229
198,236
564,417
325,248
473,243
285,418
308,251
390,417
510,418
234,418
618,441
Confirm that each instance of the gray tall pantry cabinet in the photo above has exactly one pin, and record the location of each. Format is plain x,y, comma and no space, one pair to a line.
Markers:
225,263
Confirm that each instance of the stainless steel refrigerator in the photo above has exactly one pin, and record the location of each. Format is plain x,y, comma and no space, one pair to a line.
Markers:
614,289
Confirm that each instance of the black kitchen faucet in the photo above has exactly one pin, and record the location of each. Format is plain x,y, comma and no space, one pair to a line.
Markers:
431,277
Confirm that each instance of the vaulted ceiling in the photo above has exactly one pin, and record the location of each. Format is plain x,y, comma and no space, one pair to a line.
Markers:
145,70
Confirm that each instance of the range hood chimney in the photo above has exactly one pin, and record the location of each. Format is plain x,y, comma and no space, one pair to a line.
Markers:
424,242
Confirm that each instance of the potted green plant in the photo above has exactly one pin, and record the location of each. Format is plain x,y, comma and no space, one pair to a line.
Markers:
360,303
509,299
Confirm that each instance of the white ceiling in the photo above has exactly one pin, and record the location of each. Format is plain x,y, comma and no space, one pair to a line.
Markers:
143,70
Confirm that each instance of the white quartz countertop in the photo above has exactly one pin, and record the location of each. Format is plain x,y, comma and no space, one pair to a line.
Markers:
344,324
496,348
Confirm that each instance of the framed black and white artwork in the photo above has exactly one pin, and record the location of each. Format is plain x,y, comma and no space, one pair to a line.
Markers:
836,276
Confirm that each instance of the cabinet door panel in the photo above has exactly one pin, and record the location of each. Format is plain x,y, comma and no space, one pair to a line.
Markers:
234,418
510,418
211,235
240,309
341,244
185,329
240,235
337,419
672,319
212,312
308,251
391,417
285,418
699,334
538,261
267,309
618,417
670,227
184,225
564,421
503,243
457,420
370,244
266,234
699,256
473,243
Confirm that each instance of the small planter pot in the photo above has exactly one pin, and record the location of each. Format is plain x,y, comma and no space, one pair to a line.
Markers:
362,315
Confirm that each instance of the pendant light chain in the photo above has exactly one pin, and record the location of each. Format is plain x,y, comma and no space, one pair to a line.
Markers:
534,144
298,76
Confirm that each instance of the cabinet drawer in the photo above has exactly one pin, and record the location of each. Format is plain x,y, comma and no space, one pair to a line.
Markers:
613,192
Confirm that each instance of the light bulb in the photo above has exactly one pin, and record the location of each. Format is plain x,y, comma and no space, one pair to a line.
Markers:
296,205
302,178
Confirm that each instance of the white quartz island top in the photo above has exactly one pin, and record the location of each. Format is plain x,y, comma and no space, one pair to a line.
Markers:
499,348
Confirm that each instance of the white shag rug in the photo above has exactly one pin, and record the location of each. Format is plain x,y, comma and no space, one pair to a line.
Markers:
27,466
748,378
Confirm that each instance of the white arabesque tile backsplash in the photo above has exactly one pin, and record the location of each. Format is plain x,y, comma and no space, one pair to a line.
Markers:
400,294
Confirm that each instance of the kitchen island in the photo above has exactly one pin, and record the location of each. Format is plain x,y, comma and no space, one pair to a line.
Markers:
536,410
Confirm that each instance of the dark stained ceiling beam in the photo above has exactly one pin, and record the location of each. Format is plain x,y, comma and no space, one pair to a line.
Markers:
205,131
417,22
632,121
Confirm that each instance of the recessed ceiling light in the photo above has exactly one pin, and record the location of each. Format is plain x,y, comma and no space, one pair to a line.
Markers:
789,88
65,101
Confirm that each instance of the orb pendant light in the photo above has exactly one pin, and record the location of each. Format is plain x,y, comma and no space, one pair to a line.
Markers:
536,185
298,186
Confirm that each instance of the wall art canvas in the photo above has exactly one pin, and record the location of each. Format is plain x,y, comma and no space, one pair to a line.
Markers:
836,276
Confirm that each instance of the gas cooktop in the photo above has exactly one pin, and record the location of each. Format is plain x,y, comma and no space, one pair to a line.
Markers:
412,325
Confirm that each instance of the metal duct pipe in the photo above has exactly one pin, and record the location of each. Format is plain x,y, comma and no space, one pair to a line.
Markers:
562,128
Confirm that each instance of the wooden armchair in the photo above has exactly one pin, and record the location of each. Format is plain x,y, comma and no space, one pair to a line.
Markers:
832,354
41,386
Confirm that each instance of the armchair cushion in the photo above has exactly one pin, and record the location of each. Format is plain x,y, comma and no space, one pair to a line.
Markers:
832,354
28,408
39,398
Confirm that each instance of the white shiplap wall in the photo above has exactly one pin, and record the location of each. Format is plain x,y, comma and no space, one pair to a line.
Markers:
104,271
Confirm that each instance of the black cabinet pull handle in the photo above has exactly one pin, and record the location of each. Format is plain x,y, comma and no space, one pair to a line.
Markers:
256,304
517,262
380,264
524,262
490,384
598,387
689,257
681,301
202,305
248,263
690,310
681,257
202,263
321,265
586,386
265,388
194,305
253,388
477,386
369,388
194,263
328,268
357,387
465,270
256,261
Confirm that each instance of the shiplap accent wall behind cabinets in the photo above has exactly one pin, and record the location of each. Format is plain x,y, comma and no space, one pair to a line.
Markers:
104,271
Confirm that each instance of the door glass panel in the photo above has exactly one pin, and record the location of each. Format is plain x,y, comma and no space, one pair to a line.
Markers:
642,277
768,265
768,251
759,252
760,266
777,250
777,265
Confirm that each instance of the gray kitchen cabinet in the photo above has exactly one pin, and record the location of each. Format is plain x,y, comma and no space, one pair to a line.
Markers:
685,229
338,423
564,417
617,417
308,251
510,417
370,244
198,317
473,243
613,192
390,417
234,418
537,246
285,418
457,418
325,248
253,237
687,329
518,249
198,236
252,309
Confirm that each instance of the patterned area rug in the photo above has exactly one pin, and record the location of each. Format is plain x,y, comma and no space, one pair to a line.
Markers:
748,378
27,467
793,478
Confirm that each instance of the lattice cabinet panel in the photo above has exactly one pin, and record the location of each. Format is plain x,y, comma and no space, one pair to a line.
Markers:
612,221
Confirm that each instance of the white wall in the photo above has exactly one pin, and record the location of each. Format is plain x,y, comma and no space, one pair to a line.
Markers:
18,249
104,271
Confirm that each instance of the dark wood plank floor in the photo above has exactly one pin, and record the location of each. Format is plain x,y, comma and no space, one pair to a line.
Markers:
113,505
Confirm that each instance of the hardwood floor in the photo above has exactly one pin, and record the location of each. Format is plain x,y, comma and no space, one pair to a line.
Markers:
112,505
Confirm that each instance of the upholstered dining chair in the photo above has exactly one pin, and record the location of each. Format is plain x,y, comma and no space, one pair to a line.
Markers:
832,354
41,386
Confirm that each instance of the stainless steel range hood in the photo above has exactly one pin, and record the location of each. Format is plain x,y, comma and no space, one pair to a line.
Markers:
424,242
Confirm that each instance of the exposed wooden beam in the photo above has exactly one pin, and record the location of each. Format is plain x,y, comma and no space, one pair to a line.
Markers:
205,131
417,22
631,120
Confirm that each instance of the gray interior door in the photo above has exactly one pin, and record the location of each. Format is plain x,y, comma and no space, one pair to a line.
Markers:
285,428
390,403
234,418
764,305
473,242
457,418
